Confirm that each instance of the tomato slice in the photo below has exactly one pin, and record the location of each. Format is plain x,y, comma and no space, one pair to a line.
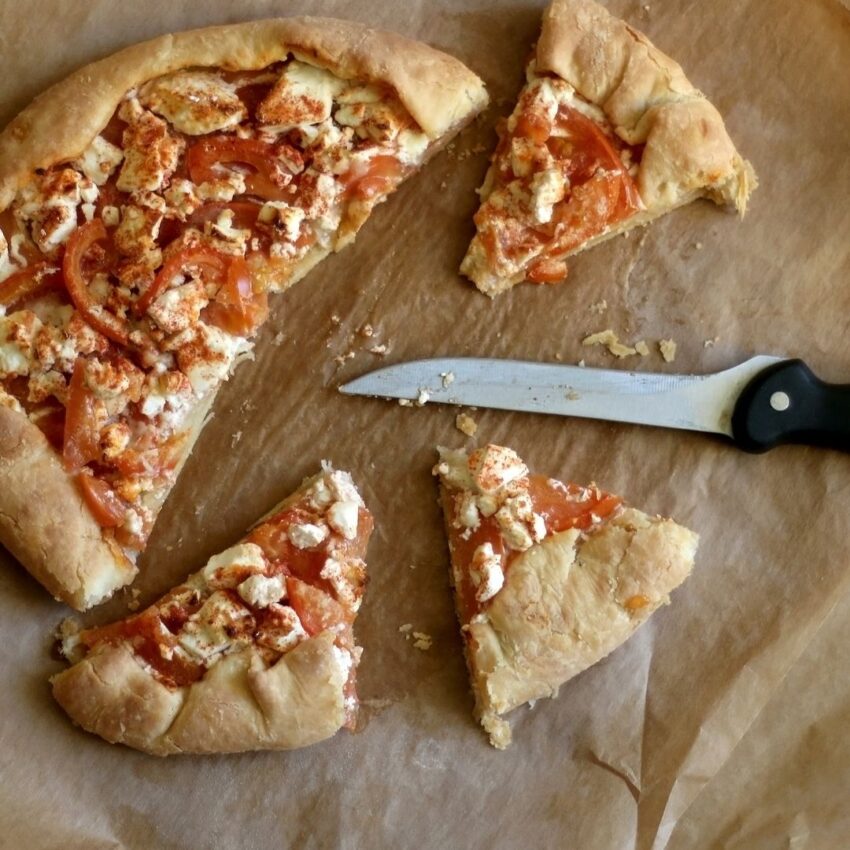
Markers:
237,309
378,175
547,271
263,157
151,641
79,243
565,506
212,261
29,282
81,443
317,611
104,504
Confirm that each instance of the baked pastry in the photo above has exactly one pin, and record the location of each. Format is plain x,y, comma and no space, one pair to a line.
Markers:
255,651
607,134
149,203
548,577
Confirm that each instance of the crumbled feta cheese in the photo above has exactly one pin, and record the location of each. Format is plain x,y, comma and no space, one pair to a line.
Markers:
223,227
136,235
16,244
282,629
7,267
307,535
115,382
224,188
547,189
133,522
194,102
412,146
151,151
43,385
182,199
17,338
486,573
378,120
110,215
261,591
285,219
343,518
206,358
467,511
303,95
341,485
221,624
99,160
492,467
49,206
235,561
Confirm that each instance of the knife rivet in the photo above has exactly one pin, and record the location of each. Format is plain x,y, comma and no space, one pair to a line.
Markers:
780,401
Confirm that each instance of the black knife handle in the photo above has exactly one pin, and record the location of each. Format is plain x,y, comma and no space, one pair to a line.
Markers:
788,403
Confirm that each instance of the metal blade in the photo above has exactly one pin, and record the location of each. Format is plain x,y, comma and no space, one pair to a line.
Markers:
690,402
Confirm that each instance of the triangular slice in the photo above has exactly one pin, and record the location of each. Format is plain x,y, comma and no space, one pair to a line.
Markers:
549,577
255,651
148,205
607,134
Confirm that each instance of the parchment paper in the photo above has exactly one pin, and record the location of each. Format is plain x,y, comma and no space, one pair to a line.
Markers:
628,746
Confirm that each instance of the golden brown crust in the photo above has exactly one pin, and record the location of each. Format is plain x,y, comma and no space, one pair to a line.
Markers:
648,100
439,91
239,705
46,524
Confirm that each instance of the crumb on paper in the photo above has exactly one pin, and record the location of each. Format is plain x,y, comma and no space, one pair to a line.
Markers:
405,402
380,350
278,338
581,364
413,566
667,347
572,395
447,378
247,406
558,355
341,358
235,439
609,339
599,307
443,186
133,604
405,627
478,149
698,246
422,398
710,343
335,319
367,331
422,641
642,348
466,424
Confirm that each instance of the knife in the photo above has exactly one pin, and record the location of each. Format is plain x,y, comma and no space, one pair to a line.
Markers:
759,404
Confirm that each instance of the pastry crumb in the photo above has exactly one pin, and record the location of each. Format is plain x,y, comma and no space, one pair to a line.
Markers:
599,307
422,398
466,424
609,339
443,186
367,331
405,627
581,364
667,347
559,356
448,378
335,319
235,438
341,358
710,343
380,350
405,402
422,641
278,338
698,246
642,348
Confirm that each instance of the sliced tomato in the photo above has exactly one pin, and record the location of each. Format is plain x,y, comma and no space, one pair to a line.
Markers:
263,157
29,282
317,611
211,261
244,213
565,506
107,508
376,176
237,309
82,240
533,125
152,641
81,443
547,271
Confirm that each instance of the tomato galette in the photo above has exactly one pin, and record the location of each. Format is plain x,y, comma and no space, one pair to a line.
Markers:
148,206
607,134
254,651
549,577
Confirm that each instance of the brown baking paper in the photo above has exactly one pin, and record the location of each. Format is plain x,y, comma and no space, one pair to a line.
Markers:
626,750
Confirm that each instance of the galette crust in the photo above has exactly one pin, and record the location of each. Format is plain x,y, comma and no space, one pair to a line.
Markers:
649,101
240,704
567,603
46,524
438,90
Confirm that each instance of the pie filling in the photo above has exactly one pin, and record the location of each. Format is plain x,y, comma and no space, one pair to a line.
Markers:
496,510
296,575
560,177
133,278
